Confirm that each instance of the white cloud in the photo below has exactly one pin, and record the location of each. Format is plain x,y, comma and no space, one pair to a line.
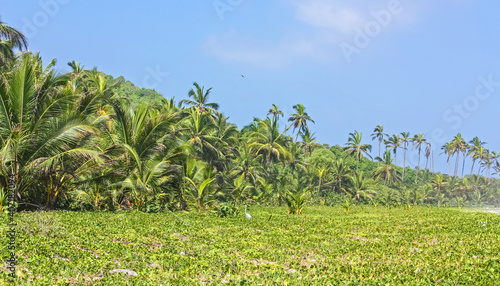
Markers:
320,27
328,14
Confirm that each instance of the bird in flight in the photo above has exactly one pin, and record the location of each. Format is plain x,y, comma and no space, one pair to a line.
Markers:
242,76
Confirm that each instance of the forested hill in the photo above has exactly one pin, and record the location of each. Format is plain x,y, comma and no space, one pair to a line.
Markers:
136,94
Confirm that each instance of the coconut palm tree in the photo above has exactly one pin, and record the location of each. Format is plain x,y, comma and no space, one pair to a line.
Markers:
42,144
308,142
360,187
405,139
354,145
199,131
378,133
438,183
394,142
268,141
418,140
474,145
200,99
299,119
494,157
448,150
275,112
487,162
386,170
143,147
458,145
17,38
340,172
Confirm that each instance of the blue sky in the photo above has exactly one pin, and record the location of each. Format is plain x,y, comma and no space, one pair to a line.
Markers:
415,66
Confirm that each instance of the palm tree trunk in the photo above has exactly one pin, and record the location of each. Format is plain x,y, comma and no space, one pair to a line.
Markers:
463,164
418,165
456,163
404,163
472,168
379,146
357,164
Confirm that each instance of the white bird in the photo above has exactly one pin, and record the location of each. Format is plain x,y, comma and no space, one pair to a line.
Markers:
247,214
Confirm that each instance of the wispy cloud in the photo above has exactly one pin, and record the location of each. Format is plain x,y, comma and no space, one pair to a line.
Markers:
323,25
328,14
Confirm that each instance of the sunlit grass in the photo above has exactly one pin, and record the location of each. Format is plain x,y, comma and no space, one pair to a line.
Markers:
324,246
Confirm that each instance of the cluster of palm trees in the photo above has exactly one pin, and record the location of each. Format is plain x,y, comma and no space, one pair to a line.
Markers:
71,141
402,141
483,158
470,188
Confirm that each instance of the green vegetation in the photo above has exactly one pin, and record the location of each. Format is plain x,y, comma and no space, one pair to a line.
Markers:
323,246
84,141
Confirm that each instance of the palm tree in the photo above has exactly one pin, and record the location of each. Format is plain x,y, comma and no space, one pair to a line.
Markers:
17,38
340,172
428,153
309,142
199,132
488,162
200,99
474,146
246,164
144,148
393,143
354,145
360,187
438,183
42,144
268,141
418,140
378,133
447,149
387,170
405,138
458,145
299,119
275,112
494,157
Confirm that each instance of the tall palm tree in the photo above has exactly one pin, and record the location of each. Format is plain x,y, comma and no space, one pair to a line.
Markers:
275,112
200,99
405,138
354,145
299,119
378,133
474,145
488,162
394,142
428,153
494,157
459,145
448,150
418,140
